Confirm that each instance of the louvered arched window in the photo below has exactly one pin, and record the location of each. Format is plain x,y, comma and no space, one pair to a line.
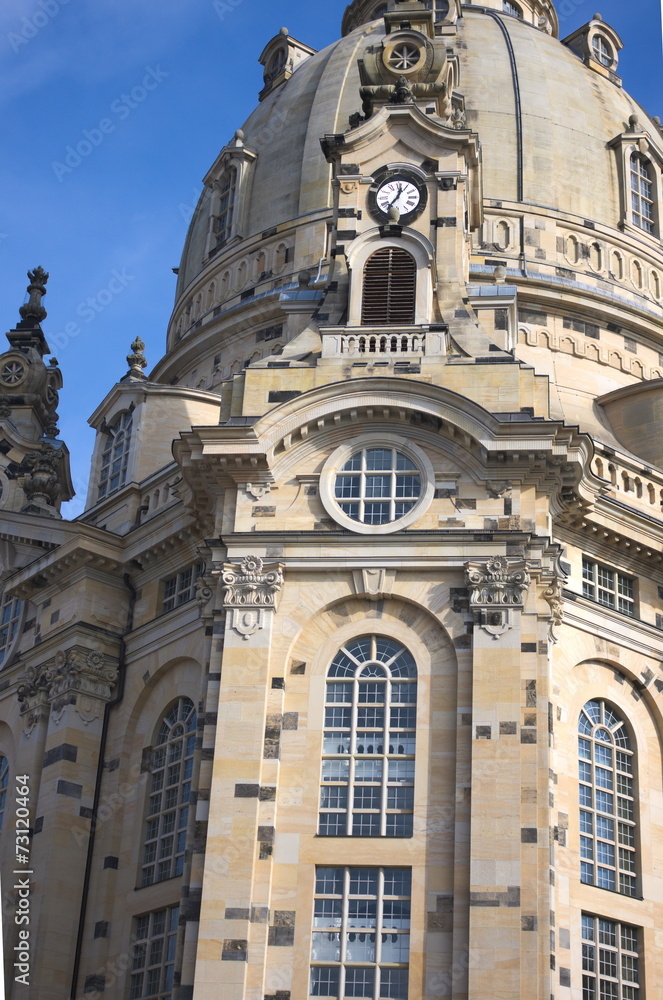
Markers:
171,764
608,832
369,740
390,286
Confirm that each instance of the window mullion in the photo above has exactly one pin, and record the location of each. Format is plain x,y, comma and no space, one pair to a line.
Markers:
353,755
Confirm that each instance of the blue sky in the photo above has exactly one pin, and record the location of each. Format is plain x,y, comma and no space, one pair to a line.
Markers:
159,88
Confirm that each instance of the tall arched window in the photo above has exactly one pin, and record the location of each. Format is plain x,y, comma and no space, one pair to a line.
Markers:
390,287
4,782
115,456
642,193
224,218
170,789
369,740
608,834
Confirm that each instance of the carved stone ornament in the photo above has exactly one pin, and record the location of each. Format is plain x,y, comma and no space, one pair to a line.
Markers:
257,490
374,583
33,309
497,588
247,622
79,676
553,595
499,489
251,584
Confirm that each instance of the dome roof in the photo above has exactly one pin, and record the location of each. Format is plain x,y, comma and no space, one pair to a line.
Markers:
570,113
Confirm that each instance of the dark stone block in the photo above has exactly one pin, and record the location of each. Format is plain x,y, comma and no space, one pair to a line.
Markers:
442,922
530,719
508,728
237,913
266,834
484,733
282,395
284,918
564,977
246,791
235,951
463,642
528,923
278,683
267,793
85,812
266,851
39,824
529,835
259,914
94,984
110,861
564,938
69,788
281,937
466,719
291,720
530,698
66,751
528,647
101,929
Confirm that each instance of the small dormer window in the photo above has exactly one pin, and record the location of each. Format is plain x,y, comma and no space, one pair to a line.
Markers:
602,51
512,9
642,193
115,456
276,65
224,219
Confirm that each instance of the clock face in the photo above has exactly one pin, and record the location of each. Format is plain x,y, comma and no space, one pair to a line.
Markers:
398,193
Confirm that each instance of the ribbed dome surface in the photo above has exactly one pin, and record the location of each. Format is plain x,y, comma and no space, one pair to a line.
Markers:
569,115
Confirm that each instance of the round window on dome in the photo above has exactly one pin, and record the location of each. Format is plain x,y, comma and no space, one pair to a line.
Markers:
378,488
602,51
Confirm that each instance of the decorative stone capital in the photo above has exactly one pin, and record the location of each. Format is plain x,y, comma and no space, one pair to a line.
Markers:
250,584
499,582
78,676
497,588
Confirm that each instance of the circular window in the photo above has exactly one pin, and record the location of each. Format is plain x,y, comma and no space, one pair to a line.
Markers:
602,51
13,373
379,488
404,56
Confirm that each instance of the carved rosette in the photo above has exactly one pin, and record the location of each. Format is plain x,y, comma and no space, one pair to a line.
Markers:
250,590
497,588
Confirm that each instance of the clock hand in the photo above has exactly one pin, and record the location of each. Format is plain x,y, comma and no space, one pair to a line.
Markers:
400,191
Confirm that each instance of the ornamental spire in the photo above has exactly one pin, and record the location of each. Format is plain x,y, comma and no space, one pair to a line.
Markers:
33,309
136,361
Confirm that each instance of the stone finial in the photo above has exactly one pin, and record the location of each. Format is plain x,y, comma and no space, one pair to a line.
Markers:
304,279
41,482
137,360
633,123
33,309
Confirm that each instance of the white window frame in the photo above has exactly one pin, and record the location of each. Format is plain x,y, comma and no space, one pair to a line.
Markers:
640,201
618,593
167,806
333,468
180,588
116,449
600,954
362,663
608,800
349,921
153,954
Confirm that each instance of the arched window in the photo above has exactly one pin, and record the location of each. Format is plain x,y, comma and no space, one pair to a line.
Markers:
512,8
596,256
4,782
10,617
642,193
224,219
602,51
390,285
607,800
503,235
369,740
170,789
115,456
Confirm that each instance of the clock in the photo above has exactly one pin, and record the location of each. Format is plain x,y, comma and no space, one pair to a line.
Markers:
397,189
